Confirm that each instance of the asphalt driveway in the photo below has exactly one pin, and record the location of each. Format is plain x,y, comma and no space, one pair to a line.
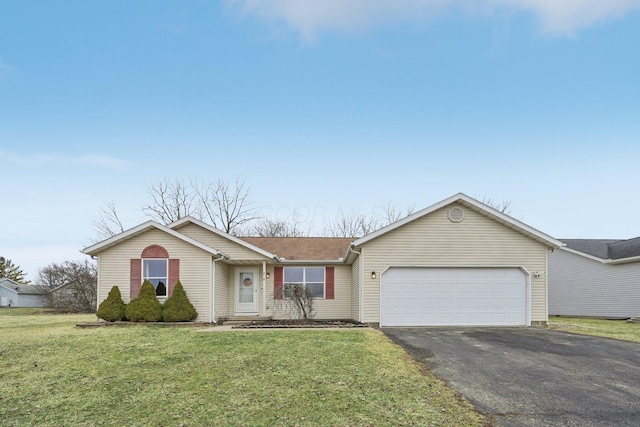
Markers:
533,376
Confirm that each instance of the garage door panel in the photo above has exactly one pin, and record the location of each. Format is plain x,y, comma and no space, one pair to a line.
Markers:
453,296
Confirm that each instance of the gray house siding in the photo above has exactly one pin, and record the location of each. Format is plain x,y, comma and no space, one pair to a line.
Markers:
579,286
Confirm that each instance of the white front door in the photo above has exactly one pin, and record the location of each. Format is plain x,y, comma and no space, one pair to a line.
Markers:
247,290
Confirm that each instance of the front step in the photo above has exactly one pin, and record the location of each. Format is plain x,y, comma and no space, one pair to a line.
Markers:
243,320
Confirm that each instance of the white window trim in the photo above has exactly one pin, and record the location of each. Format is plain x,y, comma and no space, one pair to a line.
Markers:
166,281
304,280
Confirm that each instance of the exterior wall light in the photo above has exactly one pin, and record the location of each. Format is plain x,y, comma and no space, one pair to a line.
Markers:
268,274
373,275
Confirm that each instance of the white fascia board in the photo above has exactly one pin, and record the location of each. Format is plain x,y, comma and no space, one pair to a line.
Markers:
461,197
221,233
623,260
92,250
582,254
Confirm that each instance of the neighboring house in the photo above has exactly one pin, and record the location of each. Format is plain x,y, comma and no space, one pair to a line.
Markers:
13,294
595,277
457,262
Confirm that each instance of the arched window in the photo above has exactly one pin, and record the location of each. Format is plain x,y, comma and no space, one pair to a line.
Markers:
155,266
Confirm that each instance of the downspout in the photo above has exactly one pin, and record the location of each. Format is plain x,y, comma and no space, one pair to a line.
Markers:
264,288
360,283
212,292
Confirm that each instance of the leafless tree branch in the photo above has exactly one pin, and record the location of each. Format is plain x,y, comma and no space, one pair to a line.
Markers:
107,223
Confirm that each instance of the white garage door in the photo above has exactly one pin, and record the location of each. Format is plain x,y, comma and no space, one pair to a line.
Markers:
453,297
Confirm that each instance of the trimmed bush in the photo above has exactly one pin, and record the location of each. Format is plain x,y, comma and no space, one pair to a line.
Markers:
145,308
178,308
112,309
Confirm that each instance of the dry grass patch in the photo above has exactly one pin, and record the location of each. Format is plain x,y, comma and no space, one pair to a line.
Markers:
52,373
618,329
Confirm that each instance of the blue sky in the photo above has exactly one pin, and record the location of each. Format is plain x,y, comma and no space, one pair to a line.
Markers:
319,106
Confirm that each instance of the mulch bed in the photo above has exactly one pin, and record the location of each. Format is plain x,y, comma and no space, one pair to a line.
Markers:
293,324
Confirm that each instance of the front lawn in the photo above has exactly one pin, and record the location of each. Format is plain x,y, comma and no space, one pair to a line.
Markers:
618,329
52,373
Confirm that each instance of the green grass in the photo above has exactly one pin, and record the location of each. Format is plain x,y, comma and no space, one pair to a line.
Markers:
618,329
53,374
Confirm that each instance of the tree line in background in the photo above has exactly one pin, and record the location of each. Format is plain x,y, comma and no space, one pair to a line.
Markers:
69,286
228,207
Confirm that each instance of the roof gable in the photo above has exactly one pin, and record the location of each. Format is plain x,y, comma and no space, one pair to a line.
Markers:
18,288
242,242
475,205
140,229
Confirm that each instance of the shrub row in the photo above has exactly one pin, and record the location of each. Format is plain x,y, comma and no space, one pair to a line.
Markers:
146,308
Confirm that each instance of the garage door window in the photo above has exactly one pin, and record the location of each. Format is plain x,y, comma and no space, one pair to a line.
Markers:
311,278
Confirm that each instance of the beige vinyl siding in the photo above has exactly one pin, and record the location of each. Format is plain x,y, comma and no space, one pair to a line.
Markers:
579,286
355,289
337,308
222,291
232,249
434,241
195,268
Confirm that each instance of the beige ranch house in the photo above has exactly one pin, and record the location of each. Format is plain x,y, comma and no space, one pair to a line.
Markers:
457,262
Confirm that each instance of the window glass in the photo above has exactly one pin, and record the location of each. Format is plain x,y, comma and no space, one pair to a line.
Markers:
294,274
316,289
155,268
314,274
311,278
155,271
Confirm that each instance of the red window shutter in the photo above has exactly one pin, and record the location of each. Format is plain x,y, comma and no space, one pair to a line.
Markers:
135,277
278,279
174,275
330,281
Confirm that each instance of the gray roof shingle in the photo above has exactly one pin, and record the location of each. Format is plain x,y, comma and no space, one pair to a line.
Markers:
606,248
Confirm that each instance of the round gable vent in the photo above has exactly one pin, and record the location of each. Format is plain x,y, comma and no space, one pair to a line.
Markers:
456,214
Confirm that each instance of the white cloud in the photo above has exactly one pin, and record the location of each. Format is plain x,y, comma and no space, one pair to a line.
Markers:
91,160
311,18
566,17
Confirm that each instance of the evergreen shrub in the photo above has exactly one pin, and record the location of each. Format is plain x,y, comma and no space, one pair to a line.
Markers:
145,307
178,308
113,308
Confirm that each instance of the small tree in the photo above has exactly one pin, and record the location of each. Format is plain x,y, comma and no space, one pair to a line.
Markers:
178,308
11,271
113,308
144,308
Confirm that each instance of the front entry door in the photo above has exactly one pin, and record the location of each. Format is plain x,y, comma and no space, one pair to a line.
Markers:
246,290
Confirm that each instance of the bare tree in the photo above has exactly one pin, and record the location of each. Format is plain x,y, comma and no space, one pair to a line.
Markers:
279,228
172,200
354,225
297,301
70,286
503,207
107,223
224,205
391,213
